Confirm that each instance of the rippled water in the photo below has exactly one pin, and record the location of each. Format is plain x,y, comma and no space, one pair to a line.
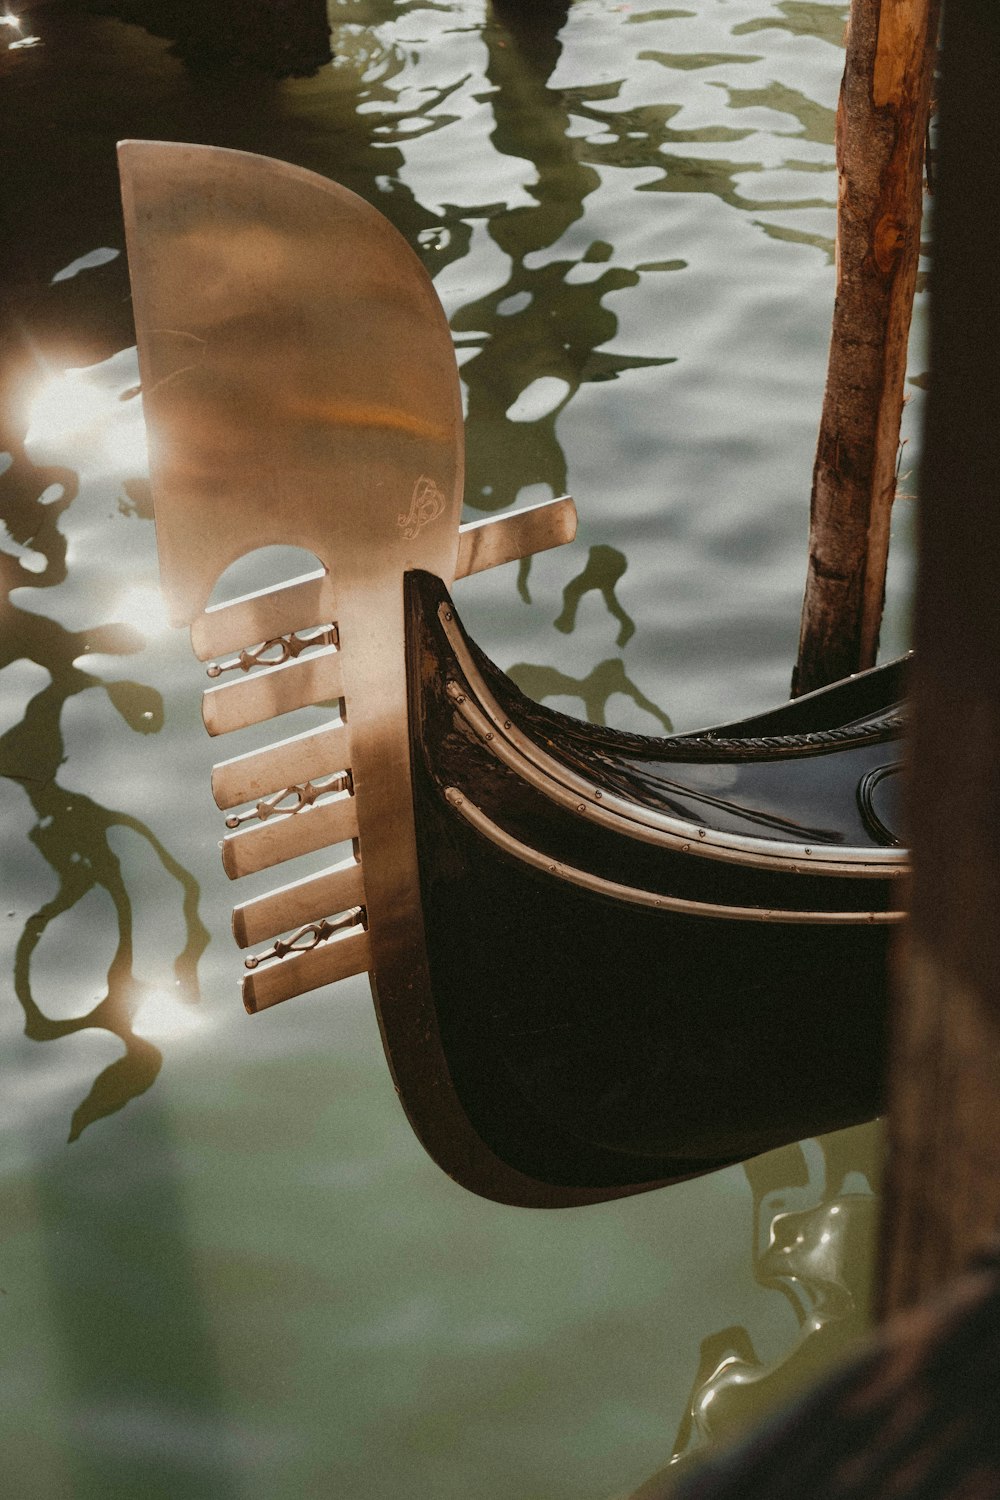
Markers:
241,1277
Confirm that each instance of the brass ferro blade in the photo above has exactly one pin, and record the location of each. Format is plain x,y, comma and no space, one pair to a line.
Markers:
298,376
300,388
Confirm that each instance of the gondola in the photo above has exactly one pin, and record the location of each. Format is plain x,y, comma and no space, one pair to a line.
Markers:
601,962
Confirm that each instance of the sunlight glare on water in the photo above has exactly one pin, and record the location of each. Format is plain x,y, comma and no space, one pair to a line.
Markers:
164,1016
143,607
92,416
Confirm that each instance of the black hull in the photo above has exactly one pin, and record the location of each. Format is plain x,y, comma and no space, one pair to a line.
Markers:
597,1043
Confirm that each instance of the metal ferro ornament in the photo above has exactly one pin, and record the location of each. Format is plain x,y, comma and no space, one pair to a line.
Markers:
300,388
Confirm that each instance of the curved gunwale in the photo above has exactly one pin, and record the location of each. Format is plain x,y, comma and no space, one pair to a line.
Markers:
636,896
567,788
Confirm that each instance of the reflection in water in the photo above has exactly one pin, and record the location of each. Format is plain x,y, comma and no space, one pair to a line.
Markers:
643,137
72,830
545,319
659,15
600,684
802,18
282,40
20,40
689,61
817,121
88,262
603,570
814,1219
815,1257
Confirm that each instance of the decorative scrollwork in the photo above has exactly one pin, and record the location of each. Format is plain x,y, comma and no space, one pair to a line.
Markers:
308,937
426,503
282,648
303,795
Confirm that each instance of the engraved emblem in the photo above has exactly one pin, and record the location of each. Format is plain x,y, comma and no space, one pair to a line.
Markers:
426,505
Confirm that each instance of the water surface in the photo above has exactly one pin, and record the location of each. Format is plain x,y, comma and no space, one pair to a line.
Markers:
227,1269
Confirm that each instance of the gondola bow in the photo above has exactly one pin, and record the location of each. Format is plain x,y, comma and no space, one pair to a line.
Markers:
600,962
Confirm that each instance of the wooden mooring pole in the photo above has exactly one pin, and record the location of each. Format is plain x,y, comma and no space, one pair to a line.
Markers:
943,1190
881,130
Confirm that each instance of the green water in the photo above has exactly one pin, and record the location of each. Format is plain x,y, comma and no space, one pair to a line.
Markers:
226,1268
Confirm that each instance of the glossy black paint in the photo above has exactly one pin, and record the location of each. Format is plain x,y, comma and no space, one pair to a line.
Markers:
596,1043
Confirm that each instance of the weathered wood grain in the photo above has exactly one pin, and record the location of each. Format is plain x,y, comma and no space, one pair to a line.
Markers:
881,129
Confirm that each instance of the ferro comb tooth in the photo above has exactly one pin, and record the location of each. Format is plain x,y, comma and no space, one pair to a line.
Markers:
284,837
317,752
335,889
273,691
499,539
264,615
337,958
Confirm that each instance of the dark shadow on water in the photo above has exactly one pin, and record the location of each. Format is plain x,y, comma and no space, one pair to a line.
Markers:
802,18
284,38
604,569
142,1410
594,690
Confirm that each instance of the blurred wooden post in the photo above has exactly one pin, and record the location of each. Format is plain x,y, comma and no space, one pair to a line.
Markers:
943,1190
283,38
881,129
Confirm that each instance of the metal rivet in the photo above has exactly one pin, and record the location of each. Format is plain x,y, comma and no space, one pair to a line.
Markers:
598,795
701,833
447,614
